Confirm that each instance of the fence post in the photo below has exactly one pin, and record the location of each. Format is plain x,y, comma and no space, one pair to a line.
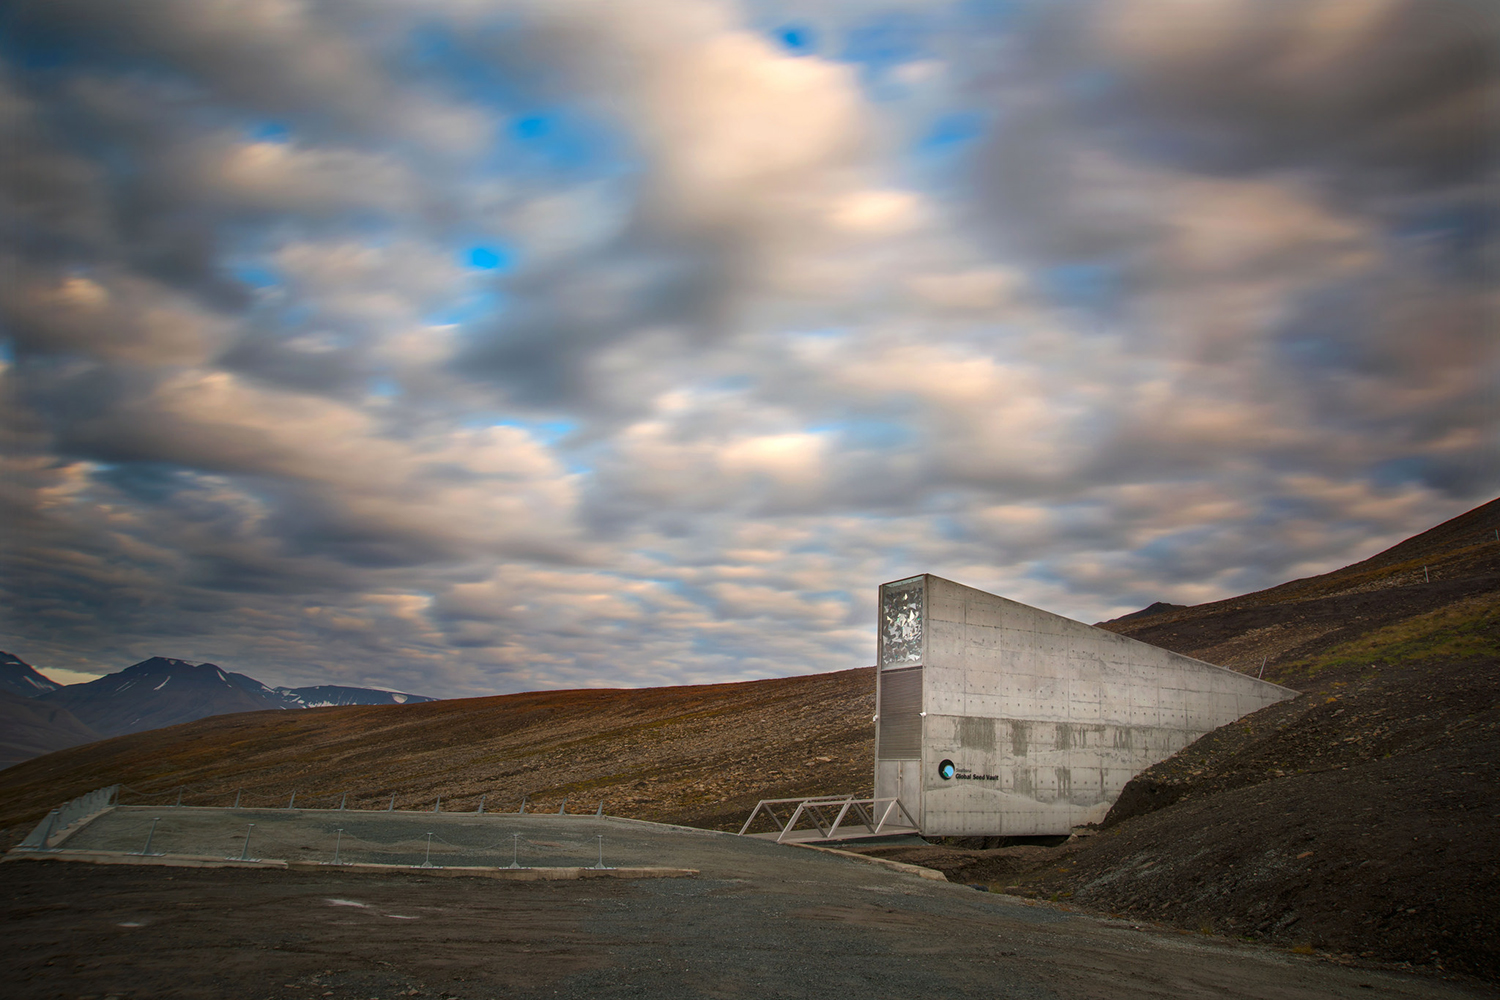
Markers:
149,834
562,809
438,805
293,801
481,805
237,798
245,851
392,807
343,800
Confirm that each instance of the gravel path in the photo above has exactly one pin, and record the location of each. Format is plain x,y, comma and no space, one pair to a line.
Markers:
761,921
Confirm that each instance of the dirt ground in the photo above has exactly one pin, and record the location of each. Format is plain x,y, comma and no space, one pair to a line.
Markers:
790,923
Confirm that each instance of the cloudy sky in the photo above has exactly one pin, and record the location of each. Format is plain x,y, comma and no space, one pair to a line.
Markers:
471,346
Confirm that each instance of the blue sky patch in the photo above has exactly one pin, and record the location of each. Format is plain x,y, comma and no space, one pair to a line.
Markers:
270,132
490,258
1088,285
799,38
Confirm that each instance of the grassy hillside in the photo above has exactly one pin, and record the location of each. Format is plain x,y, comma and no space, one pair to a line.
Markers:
701,755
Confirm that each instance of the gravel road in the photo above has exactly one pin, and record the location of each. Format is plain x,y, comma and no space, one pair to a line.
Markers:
761,921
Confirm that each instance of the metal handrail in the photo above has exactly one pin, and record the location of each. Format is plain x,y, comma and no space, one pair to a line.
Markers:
816,808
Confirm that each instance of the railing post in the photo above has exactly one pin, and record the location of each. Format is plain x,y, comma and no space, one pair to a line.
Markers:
840,818
789,824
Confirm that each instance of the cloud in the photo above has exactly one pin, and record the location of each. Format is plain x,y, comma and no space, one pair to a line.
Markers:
1091,304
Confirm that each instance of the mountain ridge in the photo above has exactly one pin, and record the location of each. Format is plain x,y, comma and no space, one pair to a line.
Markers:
154,693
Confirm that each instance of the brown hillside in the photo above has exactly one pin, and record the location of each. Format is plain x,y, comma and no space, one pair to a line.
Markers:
700,755
1288,626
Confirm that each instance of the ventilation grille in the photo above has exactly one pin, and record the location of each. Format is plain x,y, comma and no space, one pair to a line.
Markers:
900,711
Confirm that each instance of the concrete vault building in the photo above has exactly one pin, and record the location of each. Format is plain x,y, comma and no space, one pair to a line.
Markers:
998,719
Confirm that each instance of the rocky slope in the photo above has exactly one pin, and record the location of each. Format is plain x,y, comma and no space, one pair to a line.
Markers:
30,728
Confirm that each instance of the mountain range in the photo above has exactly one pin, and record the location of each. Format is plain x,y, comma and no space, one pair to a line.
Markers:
39,716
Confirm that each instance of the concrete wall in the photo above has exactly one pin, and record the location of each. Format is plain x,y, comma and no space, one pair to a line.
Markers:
1044,718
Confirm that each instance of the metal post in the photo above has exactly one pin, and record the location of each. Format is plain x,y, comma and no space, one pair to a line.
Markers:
481,805
237,798
336,841
515,850
1425,577
392,806
149,834
245,851
523,804
600,810
1263,660
562,809
293,799
427,861
601,852
343,799
437,806
179,795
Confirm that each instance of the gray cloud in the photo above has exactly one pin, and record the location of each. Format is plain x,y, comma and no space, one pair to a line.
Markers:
1205,303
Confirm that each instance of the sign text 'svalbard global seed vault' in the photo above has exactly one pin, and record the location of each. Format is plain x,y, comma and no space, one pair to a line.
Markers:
998,719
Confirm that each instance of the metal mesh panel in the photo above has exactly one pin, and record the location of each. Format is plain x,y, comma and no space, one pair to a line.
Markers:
901,623
900,708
